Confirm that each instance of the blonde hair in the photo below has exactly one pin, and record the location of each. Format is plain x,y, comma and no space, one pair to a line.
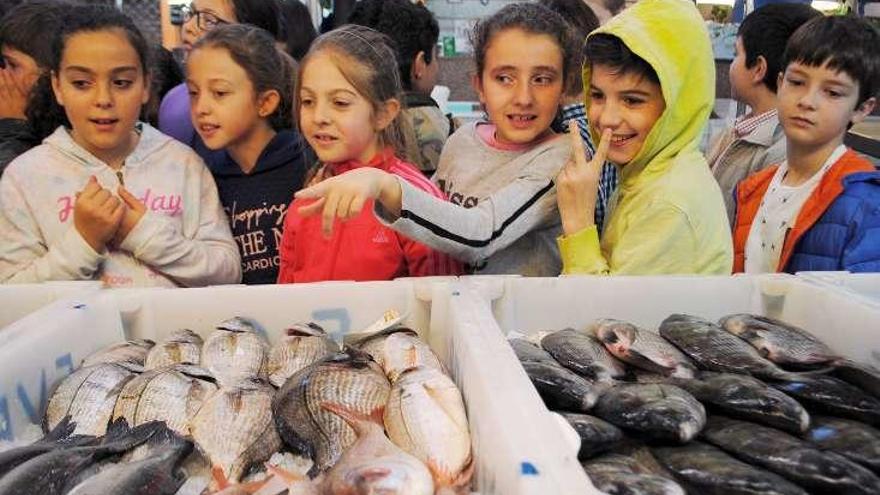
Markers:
367,60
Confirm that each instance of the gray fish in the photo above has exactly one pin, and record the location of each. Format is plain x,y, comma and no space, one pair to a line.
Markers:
788,456
583,354
302,345
707,470
747,398
529,352
597,435
829,395
169,394
864,376
59,438
50,473
631,472
715,349
349,379
657,411
88,396
778,341
130,351
234,427
157,474
643,348
235,352
181,347
561,388
856,441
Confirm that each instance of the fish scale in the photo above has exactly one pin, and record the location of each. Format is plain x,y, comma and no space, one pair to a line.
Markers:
296,351
181,347
232,356
235,429
778,341
164,395
88,396
582,354
352,381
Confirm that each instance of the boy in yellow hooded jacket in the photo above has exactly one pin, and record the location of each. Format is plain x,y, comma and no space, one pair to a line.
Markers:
650,85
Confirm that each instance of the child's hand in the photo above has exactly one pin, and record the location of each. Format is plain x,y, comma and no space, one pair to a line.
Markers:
97,214
13,98
134,211
344,196
577,184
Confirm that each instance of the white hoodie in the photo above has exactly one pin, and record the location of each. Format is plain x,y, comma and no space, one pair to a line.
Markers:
182,240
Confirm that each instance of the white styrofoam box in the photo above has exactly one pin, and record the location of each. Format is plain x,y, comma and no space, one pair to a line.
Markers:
860,285
528,305
20,300
499,426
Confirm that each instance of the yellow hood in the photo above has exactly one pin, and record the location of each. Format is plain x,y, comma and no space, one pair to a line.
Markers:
672,37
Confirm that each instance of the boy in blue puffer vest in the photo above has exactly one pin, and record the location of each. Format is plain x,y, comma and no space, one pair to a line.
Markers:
820,209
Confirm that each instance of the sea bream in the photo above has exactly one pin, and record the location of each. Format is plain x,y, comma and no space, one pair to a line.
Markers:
373,464
704,469
748,398
583,354
715,349
643,348
854,440
350,379
657,411
778,341
235,352
399,350
181,347
88,396
234,427
426,417
300,346
131,351
790,457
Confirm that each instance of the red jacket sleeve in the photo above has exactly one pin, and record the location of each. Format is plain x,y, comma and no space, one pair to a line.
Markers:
286,250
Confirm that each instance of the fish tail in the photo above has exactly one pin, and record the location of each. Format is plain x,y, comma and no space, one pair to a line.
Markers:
219,477
287,476
451,483
356,419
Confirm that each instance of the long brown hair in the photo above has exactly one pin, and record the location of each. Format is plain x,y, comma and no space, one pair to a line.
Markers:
367,60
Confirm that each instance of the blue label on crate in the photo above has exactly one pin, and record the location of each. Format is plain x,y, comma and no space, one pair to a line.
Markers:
528,469
5,420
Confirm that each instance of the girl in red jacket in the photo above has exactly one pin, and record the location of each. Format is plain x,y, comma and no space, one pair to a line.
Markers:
348,101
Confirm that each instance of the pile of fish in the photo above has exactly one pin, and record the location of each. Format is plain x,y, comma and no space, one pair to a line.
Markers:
379,415
748,405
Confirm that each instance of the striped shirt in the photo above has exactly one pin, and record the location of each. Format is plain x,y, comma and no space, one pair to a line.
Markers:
747,124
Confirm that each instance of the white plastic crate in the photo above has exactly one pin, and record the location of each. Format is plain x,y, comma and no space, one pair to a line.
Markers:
528,305
861,285
17,301
45,346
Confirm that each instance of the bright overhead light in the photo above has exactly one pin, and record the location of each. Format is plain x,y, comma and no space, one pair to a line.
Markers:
825,5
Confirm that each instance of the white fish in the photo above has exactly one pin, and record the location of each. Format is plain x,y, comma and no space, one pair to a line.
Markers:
88,395
181,347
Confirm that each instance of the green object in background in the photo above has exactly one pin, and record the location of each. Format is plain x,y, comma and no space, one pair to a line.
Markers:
448,46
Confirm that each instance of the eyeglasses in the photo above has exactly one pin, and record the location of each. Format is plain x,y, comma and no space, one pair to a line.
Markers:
205,21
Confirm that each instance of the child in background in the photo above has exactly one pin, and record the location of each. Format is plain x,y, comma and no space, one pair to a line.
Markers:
820,209
499,174
106,197
297,29
25,49
756,139
200,17
414,31
582,19
348,101
241,89
652,82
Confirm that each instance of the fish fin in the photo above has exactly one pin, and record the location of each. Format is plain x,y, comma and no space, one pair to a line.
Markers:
219,477
453,485
287,476
356,419
412,357
62,430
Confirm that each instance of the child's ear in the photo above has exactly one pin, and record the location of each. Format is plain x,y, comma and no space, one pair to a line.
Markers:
418,66
759,71
56,87
387,113
267,102
477,84
779,80
148,83
864,110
